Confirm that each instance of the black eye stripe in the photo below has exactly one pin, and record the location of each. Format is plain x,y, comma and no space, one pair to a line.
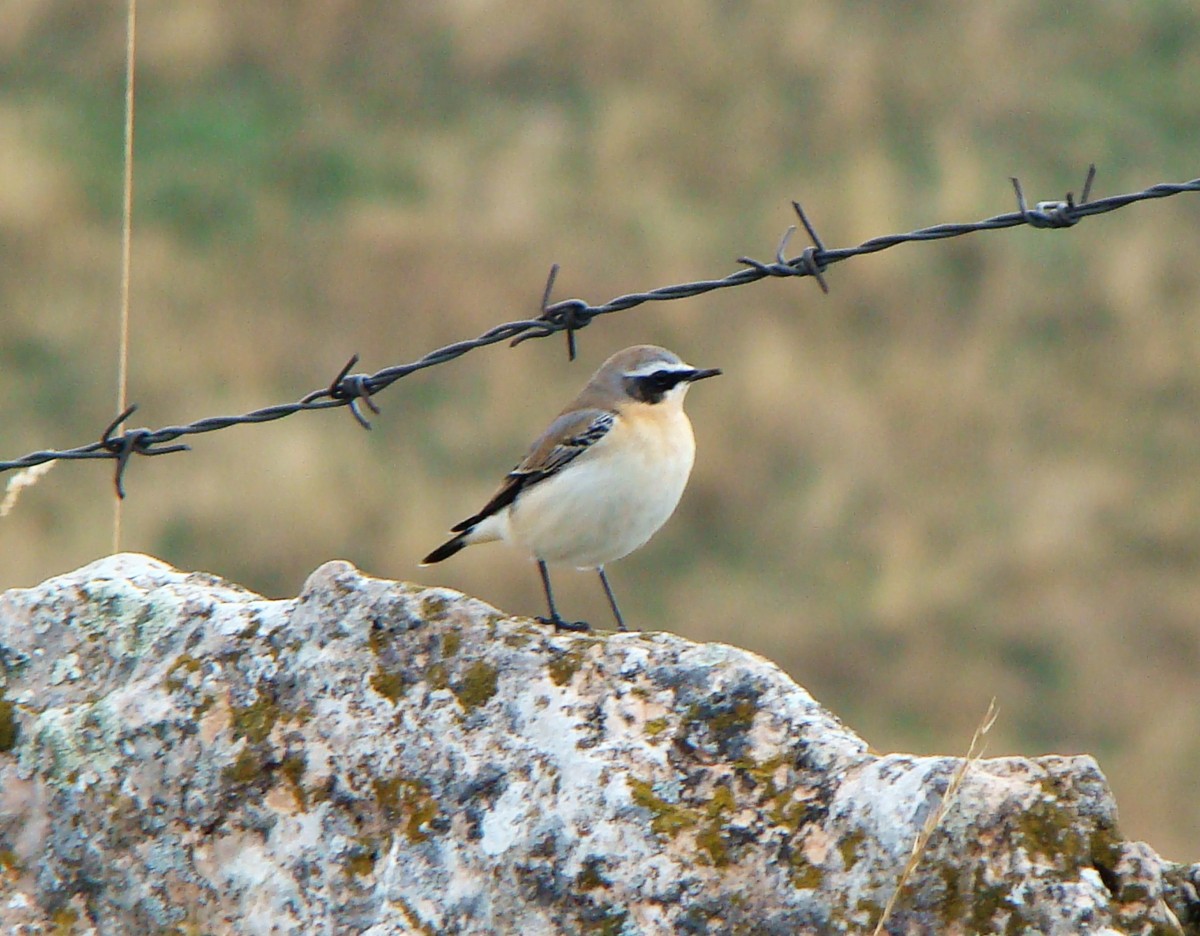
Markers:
651,388
663,378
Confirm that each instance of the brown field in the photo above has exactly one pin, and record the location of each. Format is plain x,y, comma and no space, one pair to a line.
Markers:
970,471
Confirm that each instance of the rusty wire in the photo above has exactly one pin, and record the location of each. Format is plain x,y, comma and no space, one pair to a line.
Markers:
570,315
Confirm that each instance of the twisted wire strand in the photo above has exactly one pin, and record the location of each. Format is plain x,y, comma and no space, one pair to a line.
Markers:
570,315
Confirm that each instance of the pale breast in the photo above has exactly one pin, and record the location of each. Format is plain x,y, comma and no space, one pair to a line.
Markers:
612,499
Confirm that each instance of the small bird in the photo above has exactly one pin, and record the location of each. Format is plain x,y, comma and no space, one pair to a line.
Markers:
601,480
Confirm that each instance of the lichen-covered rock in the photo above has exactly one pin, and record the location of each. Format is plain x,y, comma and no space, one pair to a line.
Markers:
178,755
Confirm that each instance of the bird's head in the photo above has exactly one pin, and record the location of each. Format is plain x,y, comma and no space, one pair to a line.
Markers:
649,374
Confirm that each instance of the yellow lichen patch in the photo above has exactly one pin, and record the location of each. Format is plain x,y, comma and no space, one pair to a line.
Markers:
655,727
245,770
408,803
848,847
711,838
590,878
8,725
388,683
563,668
292,768
437,677
738,718
669,818
177,675
478,684
433,606
255,721
805,876
361,860
64,920
611,925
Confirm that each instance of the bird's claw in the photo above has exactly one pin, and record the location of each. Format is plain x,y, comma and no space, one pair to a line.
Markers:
562,625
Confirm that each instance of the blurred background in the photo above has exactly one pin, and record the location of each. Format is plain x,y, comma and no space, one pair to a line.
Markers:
970,471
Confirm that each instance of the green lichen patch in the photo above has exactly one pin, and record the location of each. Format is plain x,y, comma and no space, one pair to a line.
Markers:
10,862
322,792
387,795
407,803
255,721
611,924
1049,828
848,847
590,878
388,683
668,818
805,876
9,730
437,676
64,921
739,717
451,643
361,858
762,773
245,770
724,719
292,767
789,813
413,919
433,606
379,638
477,686
562,668
987,902
721,804
712,843
711,837
176,677
656,726
709,819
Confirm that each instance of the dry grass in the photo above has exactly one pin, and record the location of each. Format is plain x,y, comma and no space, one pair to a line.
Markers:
974,752
18,482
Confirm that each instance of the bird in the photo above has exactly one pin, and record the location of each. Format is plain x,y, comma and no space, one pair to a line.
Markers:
602,479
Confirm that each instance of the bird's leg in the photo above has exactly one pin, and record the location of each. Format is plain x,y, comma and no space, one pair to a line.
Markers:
555,618
612,599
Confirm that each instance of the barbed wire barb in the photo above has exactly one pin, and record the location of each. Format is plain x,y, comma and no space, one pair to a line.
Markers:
571,315
546,293
1054,214
352,388
130,442
809,263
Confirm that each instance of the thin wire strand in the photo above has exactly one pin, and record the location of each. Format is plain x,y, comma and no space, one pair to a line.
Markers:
126,245
570,315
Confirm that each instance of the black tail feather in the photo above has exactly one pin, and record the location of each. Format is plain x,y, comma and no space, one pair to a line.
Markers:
446,550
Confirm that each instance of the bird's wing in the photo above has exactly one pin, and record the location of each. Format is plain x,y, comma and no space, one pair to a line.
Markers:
566,439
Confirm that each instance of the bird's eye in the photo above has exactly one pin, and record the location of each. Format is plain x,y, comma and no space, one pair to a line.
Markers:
651,388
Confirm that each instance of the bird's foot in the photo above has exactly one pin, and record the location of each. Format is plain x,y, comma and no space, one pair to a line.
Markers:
562,625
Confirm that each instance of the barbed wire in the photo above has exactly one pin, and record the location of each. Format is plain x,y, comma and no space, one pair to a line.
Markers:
570,315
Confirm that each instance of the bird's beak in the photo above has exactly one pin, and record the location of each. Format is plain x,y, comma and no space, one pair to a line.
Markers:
701,374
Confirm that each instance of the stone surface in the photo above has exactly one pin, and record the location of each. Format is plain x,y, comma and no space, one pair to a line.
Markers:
178,755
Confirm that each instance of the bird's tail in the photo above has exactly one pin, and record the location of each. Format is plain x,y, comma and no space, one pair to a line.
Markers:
447,549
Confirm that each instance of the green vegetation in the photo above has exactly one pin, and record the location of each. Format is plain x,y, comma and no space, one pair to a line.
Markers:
969,471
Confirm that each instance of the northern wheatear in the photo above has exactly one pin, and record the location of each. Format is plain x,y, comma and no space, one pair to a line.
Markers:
602,479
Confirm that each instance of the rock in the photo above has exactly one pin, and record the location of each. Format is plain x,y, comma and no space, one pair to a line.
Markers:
179,755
